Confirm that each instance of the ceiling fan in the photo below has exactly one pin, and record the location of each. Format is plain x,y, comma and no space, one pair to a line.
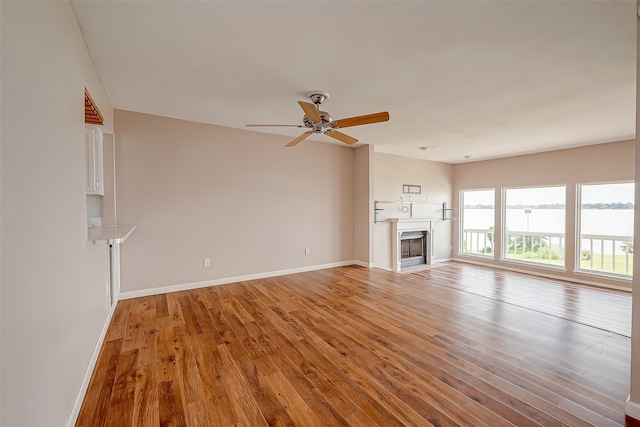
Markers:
321,122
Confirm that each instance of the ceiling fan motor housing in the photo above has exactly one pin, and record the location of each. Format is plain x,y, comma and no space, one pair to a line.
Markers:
324,118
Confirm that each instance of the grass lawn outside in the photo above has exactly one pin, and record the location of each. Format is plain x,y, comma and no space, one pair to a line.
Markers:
606,264
623,263
535,257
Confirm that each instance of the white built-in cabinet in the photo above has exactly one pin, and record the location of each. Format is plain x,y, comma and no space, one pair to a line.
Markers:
95,175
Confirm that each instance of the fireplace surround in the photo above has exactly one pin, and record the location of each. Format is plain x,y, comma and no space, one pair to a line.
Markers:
411,235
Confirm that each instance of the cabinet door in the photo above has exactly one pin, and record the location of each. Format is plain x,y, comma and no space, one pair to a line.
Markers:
93,143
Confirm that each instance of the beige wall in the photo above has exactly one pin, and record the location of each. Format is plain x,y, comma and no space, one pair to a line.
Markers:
597,163
390,173
363,204
236,196
54,302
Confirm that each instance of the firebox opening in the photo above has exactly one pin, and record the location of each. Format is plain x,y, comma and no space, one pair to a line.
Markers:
413,249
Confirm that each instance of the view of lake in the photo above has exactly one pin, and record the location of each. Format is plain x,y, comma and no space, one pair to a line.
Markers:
614,222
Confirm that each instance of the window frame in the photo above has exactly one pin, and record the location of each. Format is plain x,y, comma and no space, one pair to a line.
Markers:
578,234
504,230
462,226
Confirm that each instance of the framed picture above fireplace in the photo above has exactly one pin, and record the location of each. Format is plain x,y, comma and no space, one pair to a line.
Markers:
411,189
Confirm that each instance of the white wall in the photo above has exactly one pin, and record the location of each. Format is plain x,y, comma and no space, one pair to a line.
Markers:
239,197
390,173
53,302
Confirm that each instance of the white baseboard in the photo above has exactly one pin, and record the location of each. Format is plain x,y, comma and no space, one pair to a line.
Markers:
363,264
75,411
215,282
632,409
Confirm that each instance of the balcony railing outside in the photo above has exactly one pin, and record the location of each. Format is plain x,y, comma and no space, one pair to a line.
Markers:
598,253
477,241
607,254
538,247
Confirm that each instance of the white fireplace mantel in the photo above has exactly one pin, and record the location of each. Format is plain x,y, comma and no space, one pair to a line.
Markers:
401,225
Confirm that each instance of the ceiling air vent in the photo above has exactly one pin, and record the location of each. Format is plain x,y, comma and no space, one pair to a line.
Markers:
91,112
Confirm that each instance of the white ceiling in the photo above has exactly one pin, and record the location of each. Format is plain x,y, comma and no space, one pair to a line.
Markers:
467,78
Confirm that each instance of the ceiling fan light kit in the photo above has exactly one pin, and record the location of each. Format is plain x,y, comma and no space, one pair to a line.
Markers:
321,122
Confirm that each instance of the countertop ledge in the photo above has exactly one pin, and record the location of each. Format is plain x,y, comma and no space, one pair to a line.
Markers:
108,234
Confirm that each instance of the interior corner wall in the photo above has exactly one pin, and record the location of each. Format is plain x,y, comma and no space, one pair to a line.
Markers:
54,303
611,162
238,197
390,174
363,205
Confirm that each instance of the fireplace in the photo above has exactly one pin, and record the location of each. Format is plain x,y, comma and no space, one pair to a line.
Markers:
413,248
411,242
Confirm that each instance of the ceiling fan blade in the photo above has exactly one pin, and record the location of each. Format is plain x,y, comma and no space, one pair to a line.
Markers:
310,110
281,126
298,139
361,120
341,137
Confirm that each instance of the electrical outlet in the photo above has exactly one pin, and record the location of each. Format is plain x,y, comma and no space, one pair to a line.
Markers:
207,262
307,251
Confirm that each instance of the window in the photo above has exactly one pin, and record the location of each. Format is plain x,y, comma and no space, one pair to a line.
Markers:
535,225
477,221
606,228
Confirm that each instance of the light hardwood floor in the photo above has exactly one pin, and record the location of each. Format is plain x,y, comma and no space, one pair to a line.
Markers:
452,345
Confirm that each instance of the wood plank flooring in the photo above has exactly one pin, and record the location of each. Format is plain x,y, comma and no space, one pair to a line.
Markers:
589,305
364,347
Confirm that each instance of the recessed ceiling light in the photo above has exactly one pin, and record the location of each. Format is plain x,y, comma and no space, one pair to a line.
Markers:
466,157
425,147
